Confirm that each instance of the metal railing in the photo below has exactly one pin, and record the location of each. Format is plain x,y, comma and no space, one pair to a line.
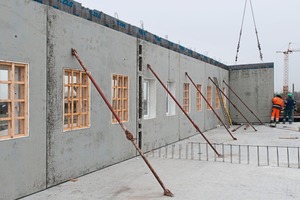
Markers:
260,155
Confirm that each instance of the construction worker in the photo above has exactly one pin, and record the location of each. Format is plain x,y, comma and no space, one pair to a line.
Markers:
289,106
277,106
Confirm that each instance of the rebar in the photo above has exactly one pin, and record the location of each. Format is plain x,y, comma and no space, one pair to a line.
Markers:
258,156
186,151
230,153
192,151
248,154
239,154
268,162
200,151
288,156
277,157
173,148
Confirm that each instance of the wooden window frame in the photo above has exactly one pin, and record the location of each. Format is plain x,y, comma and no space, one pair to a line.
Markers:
217,98
209,96
76,109
16,101
199,98
120,100
186,97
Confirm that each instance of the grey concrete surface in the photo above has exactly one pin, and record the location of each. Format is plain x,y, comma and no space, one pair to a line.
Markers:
192,179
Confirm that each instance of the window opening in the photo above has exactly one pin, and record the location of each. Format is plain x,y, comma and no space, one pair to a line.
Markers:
120,97
198,98
208,91
170,104
149,98
224,99
146,98
13,100
217,99
186,97
76,100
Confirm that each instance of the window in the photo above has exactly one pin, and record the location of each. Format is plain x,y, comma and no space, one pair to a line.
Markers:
198,98
13,100
186,97
76,100
120,97
208,94
217,99
223,97
170,104
149,98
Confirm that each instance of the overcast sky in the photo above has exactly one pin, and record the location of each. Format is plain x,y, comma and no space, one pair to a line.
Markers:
212,28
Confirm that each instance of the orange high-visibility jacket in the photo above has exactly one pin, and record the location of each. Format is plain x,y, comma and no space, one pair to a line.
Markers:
277,102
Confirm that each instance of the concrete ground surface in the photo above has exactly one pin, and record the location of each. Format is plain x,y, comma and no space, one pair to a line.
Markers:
193,179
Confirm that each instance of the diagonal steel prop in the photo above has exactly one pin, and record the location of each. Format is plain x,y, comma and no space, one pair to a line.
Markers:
181,108
128,134
231,102
242,102
209,105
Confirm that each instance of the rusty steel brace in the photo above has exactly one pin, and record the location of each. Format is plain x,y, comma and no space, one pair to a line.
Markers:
128,134
210,105
231,103
181,108
233,130
243,102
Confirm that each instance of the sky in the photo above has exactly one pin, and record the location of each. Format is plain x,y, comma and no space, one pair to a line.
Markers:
212,28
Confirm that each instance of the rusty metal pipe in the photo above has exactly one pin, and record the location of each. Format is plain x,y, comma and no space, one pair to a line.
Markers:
242,102
232,103
210,106
128,134
233,130
181,108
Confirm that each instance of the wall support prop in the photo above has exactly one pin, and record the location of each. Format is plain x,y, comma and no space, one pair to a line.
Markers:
210,105
231,103
181,108
128,134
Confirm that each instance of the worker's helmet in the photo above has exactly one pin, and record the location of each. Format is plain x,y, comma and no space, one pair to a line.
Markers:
278,95
290,94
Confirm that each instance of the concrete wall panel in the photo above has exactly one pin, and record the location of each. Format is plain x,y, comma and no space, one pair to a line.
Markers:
23,39
104,52
254,84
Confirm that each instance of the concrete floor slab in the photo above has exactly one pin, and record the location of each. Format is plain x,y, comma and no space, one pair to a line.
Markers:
192,179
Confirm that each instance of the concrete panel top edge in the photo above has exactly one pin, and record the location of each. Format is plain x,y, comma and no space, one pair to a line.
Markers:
251,66
75,8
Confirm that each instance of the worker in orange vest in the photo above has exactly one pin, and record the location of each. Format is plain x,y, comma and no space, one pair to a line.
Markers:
276,108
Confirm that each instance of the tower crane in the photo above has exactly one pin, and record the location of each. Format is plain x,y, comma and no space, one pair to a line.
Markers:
286,68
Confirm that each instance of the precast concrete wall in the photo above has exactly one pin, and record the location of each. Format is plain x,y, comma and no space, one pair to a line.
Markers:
254,84
104,52
43,36
163,128
23,40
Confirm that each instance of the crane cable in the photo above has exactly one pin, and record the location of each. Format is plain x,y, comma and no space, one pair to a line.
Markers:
238,46
258,44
